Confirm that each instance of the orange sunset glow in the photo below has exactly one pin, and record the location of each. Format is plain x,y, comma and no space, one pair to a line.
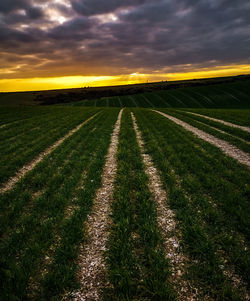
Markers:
124,150
76,43
64,82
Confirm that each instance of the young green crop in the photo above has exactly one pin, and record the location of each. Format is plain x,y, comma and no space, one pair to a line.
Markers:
228,95
36,215
240,117
22,143
229,129
209,193
202,124
11,115
41,219
138,269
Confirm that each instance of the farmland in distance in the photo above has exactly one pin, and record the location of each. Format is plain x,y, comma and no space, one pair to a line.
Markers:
129,197
223,95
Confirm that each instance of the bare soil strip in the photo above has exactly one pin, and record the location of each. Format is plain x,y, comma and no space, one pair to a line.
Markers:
133,99
28,167
237,282
91,259
33,285
13,122
243,128
205,97
167,224
227,148
223,132
148,101
176,98
120,102
10,123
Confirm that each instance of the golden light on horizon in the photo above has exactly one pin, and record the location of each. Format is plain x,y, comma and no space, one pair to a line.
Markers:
58,44
64,82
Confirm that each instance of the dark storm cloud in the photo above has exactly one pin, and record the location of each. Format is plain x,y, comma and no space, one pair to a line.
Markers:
18,12
13,6
76,29
34,12
94,7
6,6
112,36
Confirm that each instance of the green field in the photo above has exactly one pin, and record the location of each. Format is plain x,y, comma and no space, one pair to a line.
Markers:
228,95
225,92
45,214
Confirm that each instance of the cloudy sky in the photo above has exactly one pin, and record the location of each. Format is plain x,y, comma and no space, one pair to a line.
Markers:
57,43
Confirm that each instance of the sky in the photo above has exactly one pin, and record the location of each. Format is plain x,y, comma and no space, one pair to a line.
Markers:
47,44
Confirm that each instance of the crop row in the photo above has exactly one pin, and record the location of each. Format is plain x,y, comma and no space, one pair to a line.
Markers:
138,269
234,136
230,95
13,115
22,142
240,117
210,194
42,218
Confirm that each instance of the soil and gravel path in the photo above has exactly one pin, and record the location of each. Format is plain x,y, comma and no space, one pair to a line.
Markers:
167,223
227,148
3,126
223,132
91,260
28,167
12,123
243,128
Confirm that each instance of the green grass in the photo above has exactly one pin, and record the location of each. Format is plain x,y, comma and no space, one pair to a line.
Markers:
138,269
210,195
227,95
9,114
32,225
240,117
24,141
231,130
204,125
42,217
